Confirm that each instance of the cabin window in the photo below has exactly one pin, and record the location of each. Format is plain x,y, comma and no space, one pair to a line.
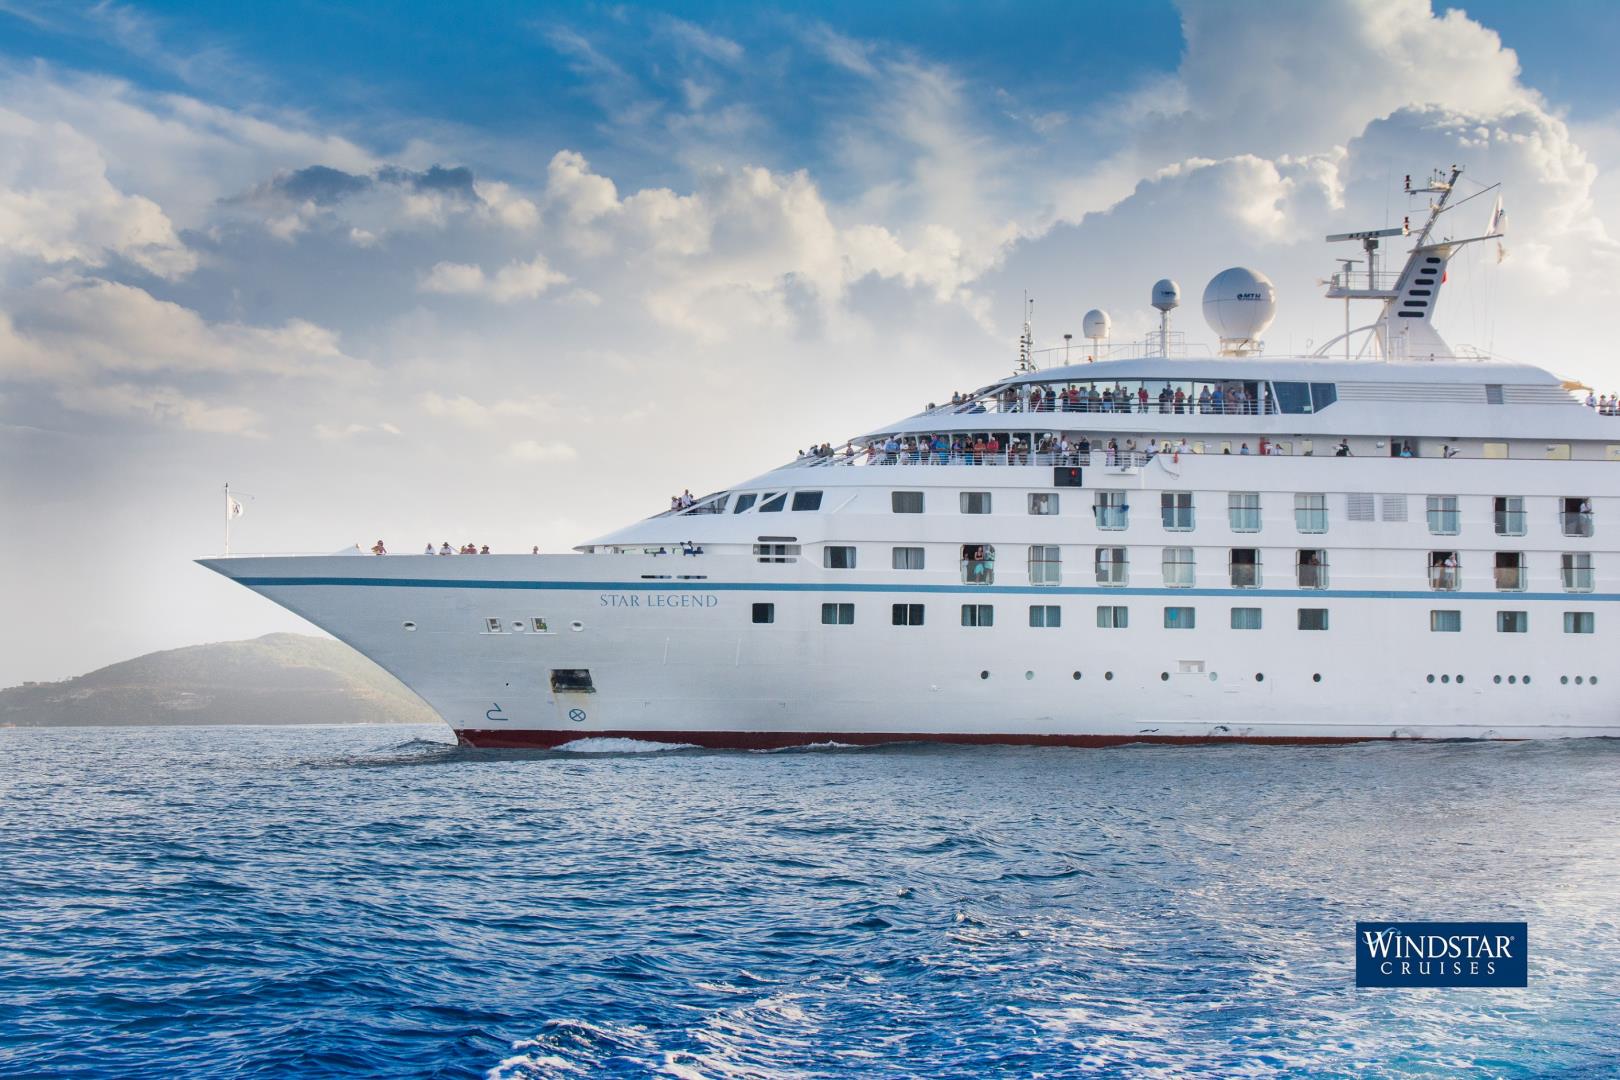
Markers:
1510,571
906,614
1243,511
1112,510
1176,510
838,557
744,502
492,626
1045,565
1113,616
908,558
764,613
979,564
906,502
1576,515
1443,516
1313,618
1508,511
978,615
1113,566
1445,571
1310,513
1245,618
807,500
1512,622
776,553
1575,567
1445,622
773,503
975,502
1180,618
538,626
838,614
1046,616
1311,568
1043,503
1244,567
1179,569
1578,622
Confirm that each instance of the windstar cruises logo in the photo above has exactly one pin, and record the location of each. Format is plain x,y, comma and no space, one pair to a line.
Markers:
1442,954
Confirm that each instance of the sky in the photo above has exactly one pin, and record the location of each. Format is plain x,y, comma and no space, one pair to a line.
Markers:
514,273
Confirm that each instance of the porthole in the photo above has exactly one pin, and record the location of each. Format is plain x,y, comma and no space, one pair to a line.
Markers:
1259,677
1445,678
408,625
1513,680
1459,680
1563,680
1497,679
1212,676
1029,675
1164,676
1077,676
984,674
518,626
576,626
1525,680
1591,680
1431,678
1317,677
1108,675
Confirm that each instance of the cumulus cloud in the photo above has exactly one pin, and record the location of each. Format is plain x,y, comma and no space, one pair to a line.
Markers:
514,281
161,405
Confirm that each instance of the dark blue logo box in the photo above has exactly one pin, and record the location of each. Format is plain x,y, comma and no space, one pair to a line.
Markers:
1442,954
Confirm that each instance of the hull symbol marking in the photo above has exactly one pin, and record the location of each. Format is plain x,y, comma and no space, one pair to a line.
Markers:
495,713
577,715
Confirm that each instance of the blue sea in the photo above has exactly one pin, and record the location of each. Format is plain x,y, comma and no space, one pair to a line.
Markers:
374,901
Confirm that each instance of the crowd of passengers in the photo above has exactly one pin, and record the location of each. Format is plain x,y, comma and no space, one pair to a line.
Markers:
987,449
1605,404
1212,399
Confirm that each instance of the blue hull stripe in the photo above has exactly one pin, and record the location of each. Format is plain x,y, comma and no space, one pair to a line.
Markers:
1506,598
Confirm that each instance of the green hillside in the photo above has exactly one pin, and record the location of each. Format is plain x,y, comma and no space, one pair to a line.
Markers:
275,679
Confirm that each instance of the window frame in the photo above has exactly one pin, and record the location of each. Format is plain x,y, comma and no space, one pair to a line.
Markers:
1118,618
1173,557
1051,616
899,502
1180,617
1439,516
1303,508
828,562
978,616
1319,568
1512,622
1302,620
1259,618
838,609
1175,515
901,614
895,557
1051,568
1436,621
1233,509
968,499
1119,557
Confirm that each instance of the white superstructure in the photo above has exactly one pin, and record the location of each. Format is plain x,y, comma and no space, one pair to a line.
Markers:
1150,547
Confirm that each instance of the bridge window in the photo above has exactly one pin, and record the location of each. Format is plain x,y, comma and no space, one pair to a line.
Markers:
744,502
807,500
773,503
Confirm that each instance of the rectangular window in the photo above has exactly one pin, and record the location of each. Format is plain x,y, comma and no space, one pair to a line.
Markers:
975,502
1245,568
1445,622
1176,510
744,502
908,558
1245,618
1313,618
1575,567
1043,503
807,500
1243,511
1443,516
773,503
776,553
1180,618
1049,616
1310,513
1445,571
1509,571
539,626
907,614
979,564
838,614
906,502
492,626
1113,568
1113,617
1508,510
1578,622
764,613
1311,568
1179,570
1112,511
1045,565
1512,622
838,557
1576,515
978,615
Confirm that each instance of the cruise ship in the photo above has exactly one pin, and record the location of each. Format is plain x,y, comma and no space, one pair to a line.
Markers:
1379,541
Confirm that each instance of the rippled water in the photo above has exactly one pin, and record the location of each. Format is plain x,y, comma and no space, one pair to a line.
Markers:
373,901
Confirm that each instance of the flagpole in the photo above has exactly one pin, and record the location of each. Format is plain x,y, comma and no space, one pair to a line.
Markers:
227,518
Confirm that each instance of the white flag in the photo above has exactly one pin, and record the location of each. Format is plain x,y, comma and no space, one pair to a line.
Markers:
233,509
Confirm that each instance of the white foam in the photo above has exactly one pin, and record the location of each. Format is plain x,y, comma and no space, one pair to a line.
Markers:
621,746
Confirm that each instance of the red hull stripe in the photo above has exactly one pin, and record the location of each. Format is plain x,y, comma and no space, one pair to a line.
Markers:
538,739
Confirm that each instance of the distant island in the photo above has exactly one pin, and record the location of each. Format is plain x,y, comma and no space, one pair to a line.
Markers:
275,679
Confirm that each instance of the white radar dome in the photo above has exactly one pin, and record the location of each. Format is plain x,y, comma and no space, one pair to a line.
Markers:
1166,294
1239,304
1096,324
